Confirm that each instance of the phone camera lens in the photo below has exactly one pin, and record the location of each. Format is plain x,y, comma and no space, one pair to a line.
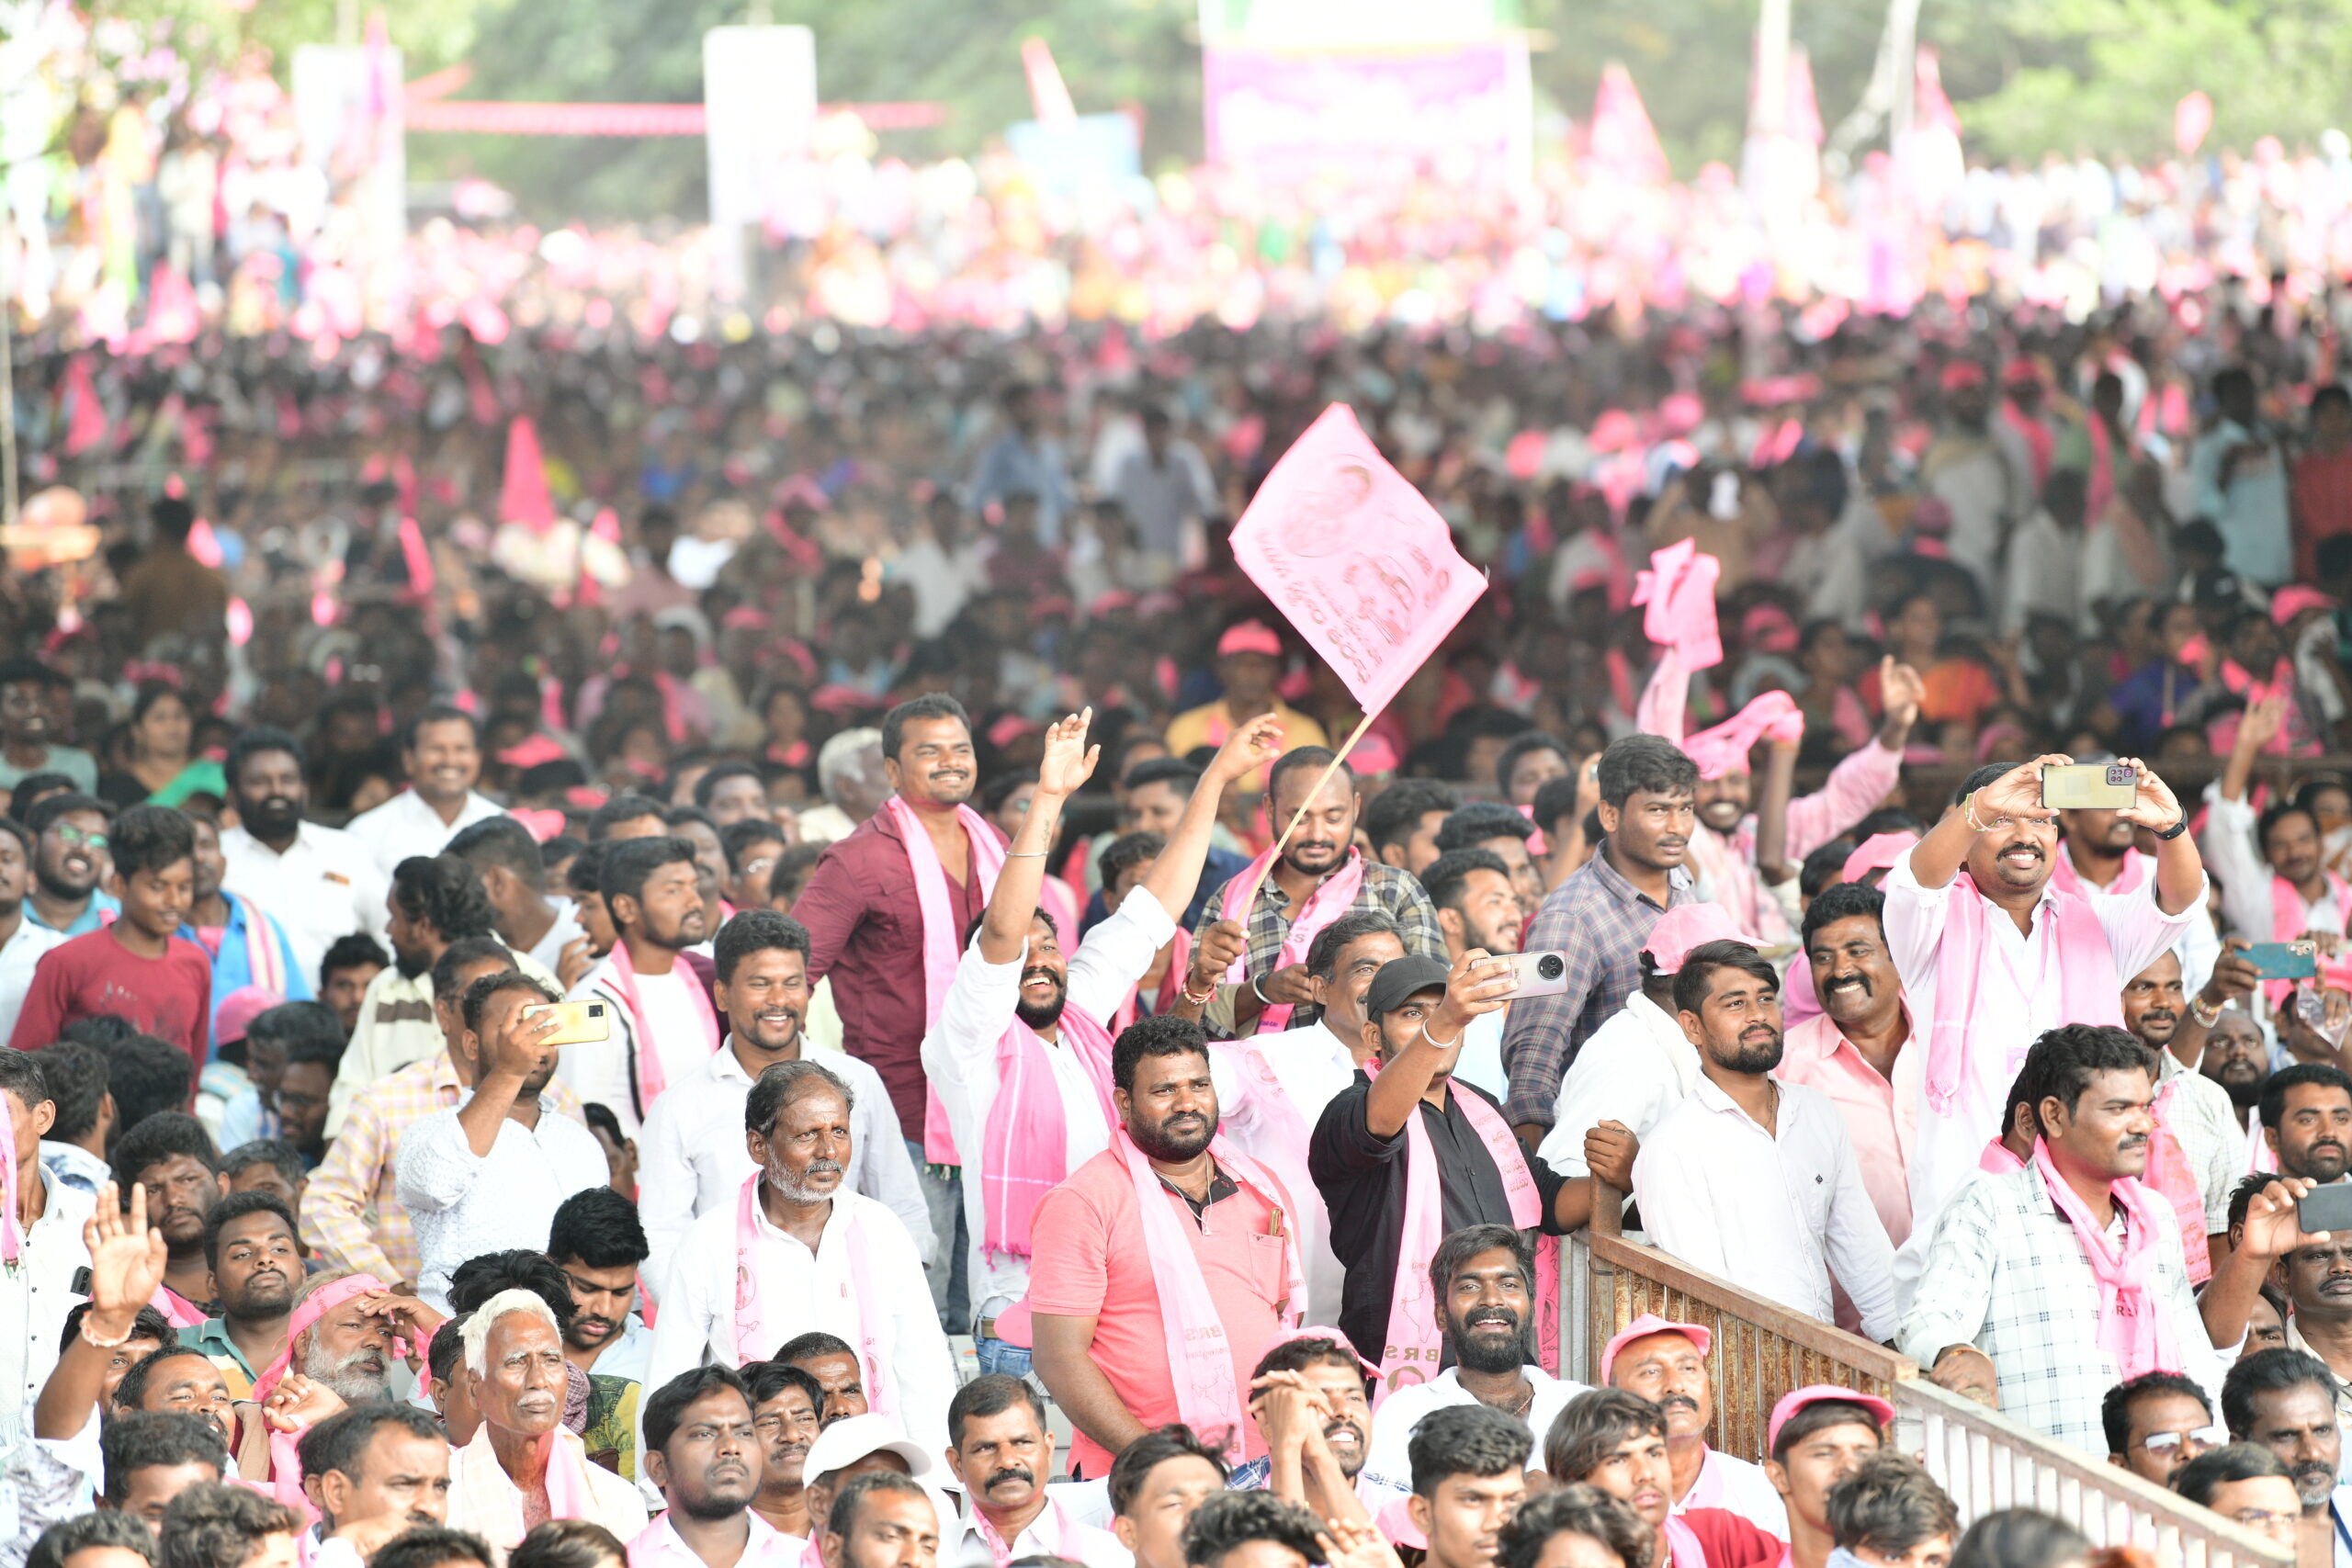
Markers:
595,1009
1549,966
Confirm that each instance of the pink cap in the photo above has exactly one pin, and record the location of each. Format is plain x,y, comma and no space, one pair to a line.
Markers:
2295,599
1687,926
1372,755
1249,637
1347,1346
2021,372
1963,373
239,1008
1642,1328
1820,1394
1879,852
533,749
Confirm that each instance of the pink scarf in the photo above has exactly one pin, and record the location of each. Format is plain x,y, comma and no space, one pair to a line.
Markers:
1724,750
2171,1175
177,1310
1283,1146
756,1341
1677,591
264,955
2290,918
2088,989
1200,1356
1051,1530
2040,446
1327,904
12,1240
2132,1324
1180,960
569,1496
306,1314
1682,1547
650,1079
942,941
2066,879
1414,1343
1997,1159
1024,1152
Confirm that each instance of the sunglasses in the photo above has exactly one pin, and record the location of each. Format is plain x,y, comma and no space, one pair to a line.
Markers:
2194,1442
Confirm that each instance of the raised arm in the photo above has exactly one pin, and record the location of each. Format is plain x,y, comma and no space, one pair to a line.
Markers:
1936,858
1178,870
1069,762
126,1265
1475,984
2180,869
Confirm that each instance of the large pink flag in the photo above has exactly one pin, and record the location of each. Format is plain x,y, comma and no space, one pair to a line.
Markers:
523,499
1355,558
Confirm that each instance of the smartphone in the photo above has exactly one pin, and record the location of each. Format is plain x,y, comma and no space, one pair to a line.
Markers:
2284,960
577,1023
2327,1209
2090,787
1539,974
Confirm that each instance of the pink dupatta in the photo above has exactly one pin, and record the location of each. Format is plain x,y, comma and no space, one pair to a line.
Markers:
2090,991
306,1314
1414,1343
1327,904
2132,1325
1024,1152
942,941
1200,1354
650,1078
755,1340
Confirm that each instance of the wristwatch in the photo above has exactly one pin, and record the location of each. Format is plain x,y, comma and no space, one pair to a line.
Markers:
2176,830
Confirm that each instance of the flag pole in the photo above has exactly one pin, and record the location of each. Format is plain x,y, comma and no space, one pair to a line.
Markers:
1299,816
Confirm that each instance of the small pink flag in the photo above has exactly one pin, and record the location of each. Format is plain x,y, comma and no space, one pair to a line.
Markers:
2191,118
524,499
86,426
1359,563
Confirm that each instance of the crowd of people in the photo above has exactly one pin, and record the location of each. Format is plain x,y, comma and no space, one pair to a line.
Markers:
478,783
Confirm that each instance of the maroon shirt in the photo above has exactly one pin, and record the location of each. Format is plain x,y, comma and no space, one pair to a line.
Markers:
170,997
866,930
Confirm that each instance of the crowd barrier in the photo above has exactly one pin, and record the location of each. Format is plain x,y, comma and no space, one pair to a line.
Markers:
1984,1460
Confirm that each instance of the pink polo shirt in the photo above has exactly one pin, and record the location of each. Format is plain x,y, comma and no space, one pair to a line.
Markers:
1881,1119
659,1546
1086,1261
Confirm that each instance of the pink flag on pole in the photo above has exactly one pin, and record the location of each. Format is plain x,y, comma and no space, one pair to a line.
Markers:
1359,563
524,498
86,425
2191,118
1623,139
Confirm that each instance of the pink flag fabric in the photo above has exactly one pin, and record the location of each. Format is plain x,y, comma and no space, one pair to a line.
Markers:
1678,595
524,499
1359,563
1624,141
1724,750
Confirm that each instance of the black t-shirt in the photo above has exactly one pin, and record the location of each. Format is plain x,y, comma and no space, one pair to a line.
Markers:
1362,1178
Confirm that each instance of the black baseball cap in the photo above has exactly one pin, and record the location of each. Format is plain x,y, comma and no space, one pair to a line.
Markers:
1400,980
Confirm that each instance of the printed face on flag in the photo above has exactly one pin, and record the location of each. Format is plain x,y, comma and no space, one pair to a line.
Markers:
1355,558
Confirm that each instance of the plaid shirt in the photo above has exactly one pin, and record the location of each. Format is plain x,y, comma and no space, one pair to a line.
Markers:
1386,890
1597,920
2006,1273
351,1209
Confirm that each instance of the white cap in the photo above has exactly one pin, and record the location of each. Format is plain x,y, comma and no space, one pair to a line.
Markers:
852,1438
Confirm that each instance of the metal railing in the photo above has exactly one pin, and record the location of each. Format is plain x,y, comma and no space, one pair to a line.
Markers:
1987,1462
1984,1460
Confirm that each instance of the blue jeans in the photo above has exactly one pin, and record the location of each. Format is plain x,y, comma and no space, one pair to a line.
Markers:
996,1356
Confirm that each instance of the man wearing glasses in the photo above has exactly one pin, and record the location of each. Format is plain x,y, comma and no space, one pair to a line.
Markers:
2156,1422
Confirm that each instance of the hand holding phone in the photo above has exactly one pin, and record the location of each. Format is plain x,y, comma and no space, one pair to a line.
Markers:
2090,786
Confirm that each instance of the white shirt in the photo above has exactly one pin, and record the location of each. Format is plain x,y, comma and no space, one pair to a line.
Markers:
396,1029
35,1296
811,1292
464,1204
18,957
959,1056
606,1070
1311,1065
485,1500
2018,999
405,826
1386,1462
1636,1067
630,1353
325,886
1742,1487
1054,1532
2200,946
549,948
1776,1211
1481,1061
2231,843
692,1158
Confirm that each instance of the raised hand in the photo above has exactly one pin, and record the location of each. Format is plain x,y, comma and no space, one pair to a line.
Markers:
2155,807
2272,1229
1901,690
1245,750
1220,945
1349,1544
127,1258
1478,984
1068,762
2261,723
297,1404
2016,795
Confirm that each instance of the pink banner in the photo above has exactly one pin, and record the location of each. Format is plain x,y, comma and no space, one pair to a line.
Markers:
1355,558
1288,116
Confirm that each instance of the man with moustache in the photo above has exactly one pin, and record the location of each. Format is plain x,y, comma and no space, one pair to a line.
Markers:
1484,1277
690,1155
1319,875
2194,1112
2306,1112
1000,1451
1599,918
1666,1363
2098,860
1857,1050
320,882
372,1472
601,1247
2237,1057
1020,1054
2026,1265
23,939
1167,1238
785,1402
2317,1278
249,1244
488,1174
664,1027
1312,1402
171,1157
703,1450
1993,955
1616,1441
2285,1400
824,1258
1751,1178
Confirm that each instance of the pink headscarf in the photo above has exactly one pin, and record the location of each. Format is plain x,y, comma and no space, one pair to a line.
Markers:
306,1314
1724,750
